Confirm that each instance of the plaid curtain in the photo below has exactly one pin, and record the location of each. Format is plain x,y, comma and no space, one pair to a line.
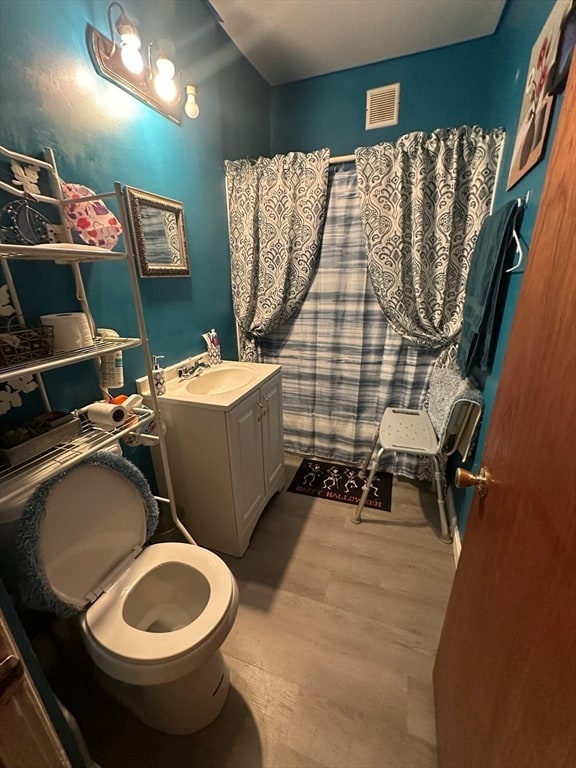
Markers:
276,210
342,362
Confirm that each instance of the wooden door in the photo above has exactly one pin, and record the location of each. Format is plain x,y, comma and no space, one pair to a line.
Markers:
27,736
505,673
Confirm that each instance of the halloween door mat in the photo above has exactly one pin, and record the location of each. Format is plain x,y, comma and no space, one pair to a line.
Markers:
340,482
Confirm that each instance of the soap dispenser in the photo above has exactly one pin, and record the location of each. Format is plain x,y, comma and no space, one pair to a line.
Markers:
159,375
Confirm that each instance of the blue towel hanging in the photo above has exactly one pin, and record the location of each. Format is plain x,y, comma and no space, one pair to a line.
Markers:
483,288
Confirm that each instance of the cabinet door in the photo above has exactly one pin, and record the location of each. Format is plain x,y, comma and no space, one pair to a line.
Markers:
272,434
245,443
27,736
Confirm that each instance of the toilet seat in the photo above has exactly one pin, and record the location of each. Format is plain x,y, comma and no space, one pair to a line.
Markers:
105,623
81,529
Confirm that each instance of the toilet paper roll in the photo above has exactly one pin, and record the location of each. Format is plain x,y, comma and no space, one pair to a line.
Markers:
71,330
106,414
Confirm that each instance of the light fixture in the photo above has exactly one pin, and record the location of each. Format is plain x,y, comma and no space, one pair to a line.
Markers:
191,107
157,84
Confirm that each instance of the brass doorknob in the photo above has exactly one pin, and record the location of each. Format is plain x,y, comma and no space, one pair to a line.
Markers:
465,479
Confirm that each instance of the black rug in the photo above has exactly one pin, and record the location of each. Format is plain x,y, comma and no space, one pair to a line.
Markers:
340,482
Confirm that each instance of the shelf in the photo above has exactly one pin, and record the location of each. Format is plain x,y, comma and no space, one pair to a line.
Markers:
16,480
19,481
64,254
61,359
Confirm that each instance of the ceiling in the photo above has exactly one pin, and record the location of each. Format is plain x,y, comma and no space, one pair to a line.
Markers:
289,40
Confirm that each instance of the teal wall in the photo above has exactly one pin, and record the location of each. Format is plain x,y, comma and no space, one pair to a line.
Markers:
50,95
440,88
480,82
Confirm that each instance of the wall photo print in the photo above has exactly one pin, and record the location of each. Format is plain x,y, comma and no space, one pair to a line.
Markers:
536,109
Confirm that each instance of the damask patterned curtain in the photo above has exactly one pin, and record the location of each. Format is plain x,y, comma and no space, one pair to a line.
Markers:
423,200
276,209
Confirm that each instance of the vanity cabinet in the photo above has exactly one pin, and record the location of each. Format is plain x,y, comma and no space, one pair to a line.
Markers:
226,462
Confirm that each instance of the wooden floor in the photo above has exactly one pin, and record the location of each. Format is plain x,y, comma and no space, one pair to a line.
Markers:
331,654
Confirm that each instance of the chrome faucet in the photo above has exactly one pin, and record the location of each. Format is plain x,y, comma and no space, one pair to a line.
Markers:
194,369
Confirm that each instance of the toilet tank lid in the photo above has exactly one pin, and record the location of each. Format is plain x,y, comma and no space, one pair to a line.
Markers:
81,530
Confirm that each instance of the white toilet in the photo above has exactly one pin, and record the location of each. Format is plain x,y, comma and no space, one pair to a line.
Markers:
152,619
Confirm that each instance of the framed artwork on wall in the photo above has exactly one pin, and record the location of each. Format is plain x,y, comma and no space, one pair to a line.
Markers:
536,109
565,52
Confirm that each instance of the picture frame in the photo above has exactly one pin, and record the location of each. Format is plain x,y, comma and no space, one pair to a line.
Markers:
538,100
565,52
158,233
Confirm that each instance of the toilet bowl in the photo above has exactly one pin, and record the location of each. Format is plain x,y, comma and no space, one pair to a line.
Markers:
153,617
155,636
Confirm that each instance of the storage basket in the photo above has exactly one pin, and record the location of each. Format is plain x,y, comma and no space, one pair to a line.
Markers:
24,343
35,446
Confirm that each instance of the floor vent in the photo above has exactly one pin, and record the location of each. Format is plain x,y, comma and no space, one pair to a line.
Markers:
382,106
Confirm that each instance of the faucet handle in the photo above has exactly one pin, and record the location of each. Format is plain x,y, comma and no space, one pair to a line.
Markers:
197,365
191,367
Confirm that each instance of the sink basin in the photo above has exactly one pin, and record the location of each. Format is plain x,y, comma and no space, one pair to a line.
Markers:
218,380
219,387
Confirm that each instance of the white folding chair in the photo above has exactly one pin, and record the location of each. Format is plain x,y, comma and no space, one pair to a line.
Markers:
447,425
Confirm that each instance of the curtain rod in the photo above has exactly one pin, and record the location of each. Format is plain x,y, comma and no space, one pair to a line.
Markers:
341,159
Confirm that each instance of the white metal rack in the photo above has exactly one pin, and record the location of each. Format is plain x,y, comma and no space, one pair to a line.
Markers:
17,479
61,359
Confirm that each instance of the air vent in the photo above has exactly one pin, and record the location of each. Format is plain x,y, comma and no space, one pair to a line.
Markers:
382,106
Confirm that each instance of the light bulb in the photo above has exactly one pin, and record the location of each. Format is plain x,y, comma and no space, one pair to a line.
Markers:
131,38
128,32
191,107
165,67
165,87
132,59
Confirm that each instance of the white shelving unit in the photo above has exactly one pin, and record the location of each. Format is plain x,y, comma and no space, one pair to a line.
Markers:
15,480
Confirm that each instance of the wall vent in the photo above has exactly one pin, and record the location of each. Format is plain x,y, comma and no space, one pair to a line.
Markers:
382,106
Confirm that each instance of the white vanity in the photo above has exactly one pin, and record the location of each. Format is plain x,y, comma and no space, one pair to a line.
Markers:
225,449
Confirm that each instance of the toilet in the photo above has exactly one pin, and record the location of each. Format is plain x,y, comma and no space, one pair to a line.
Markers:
152,618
